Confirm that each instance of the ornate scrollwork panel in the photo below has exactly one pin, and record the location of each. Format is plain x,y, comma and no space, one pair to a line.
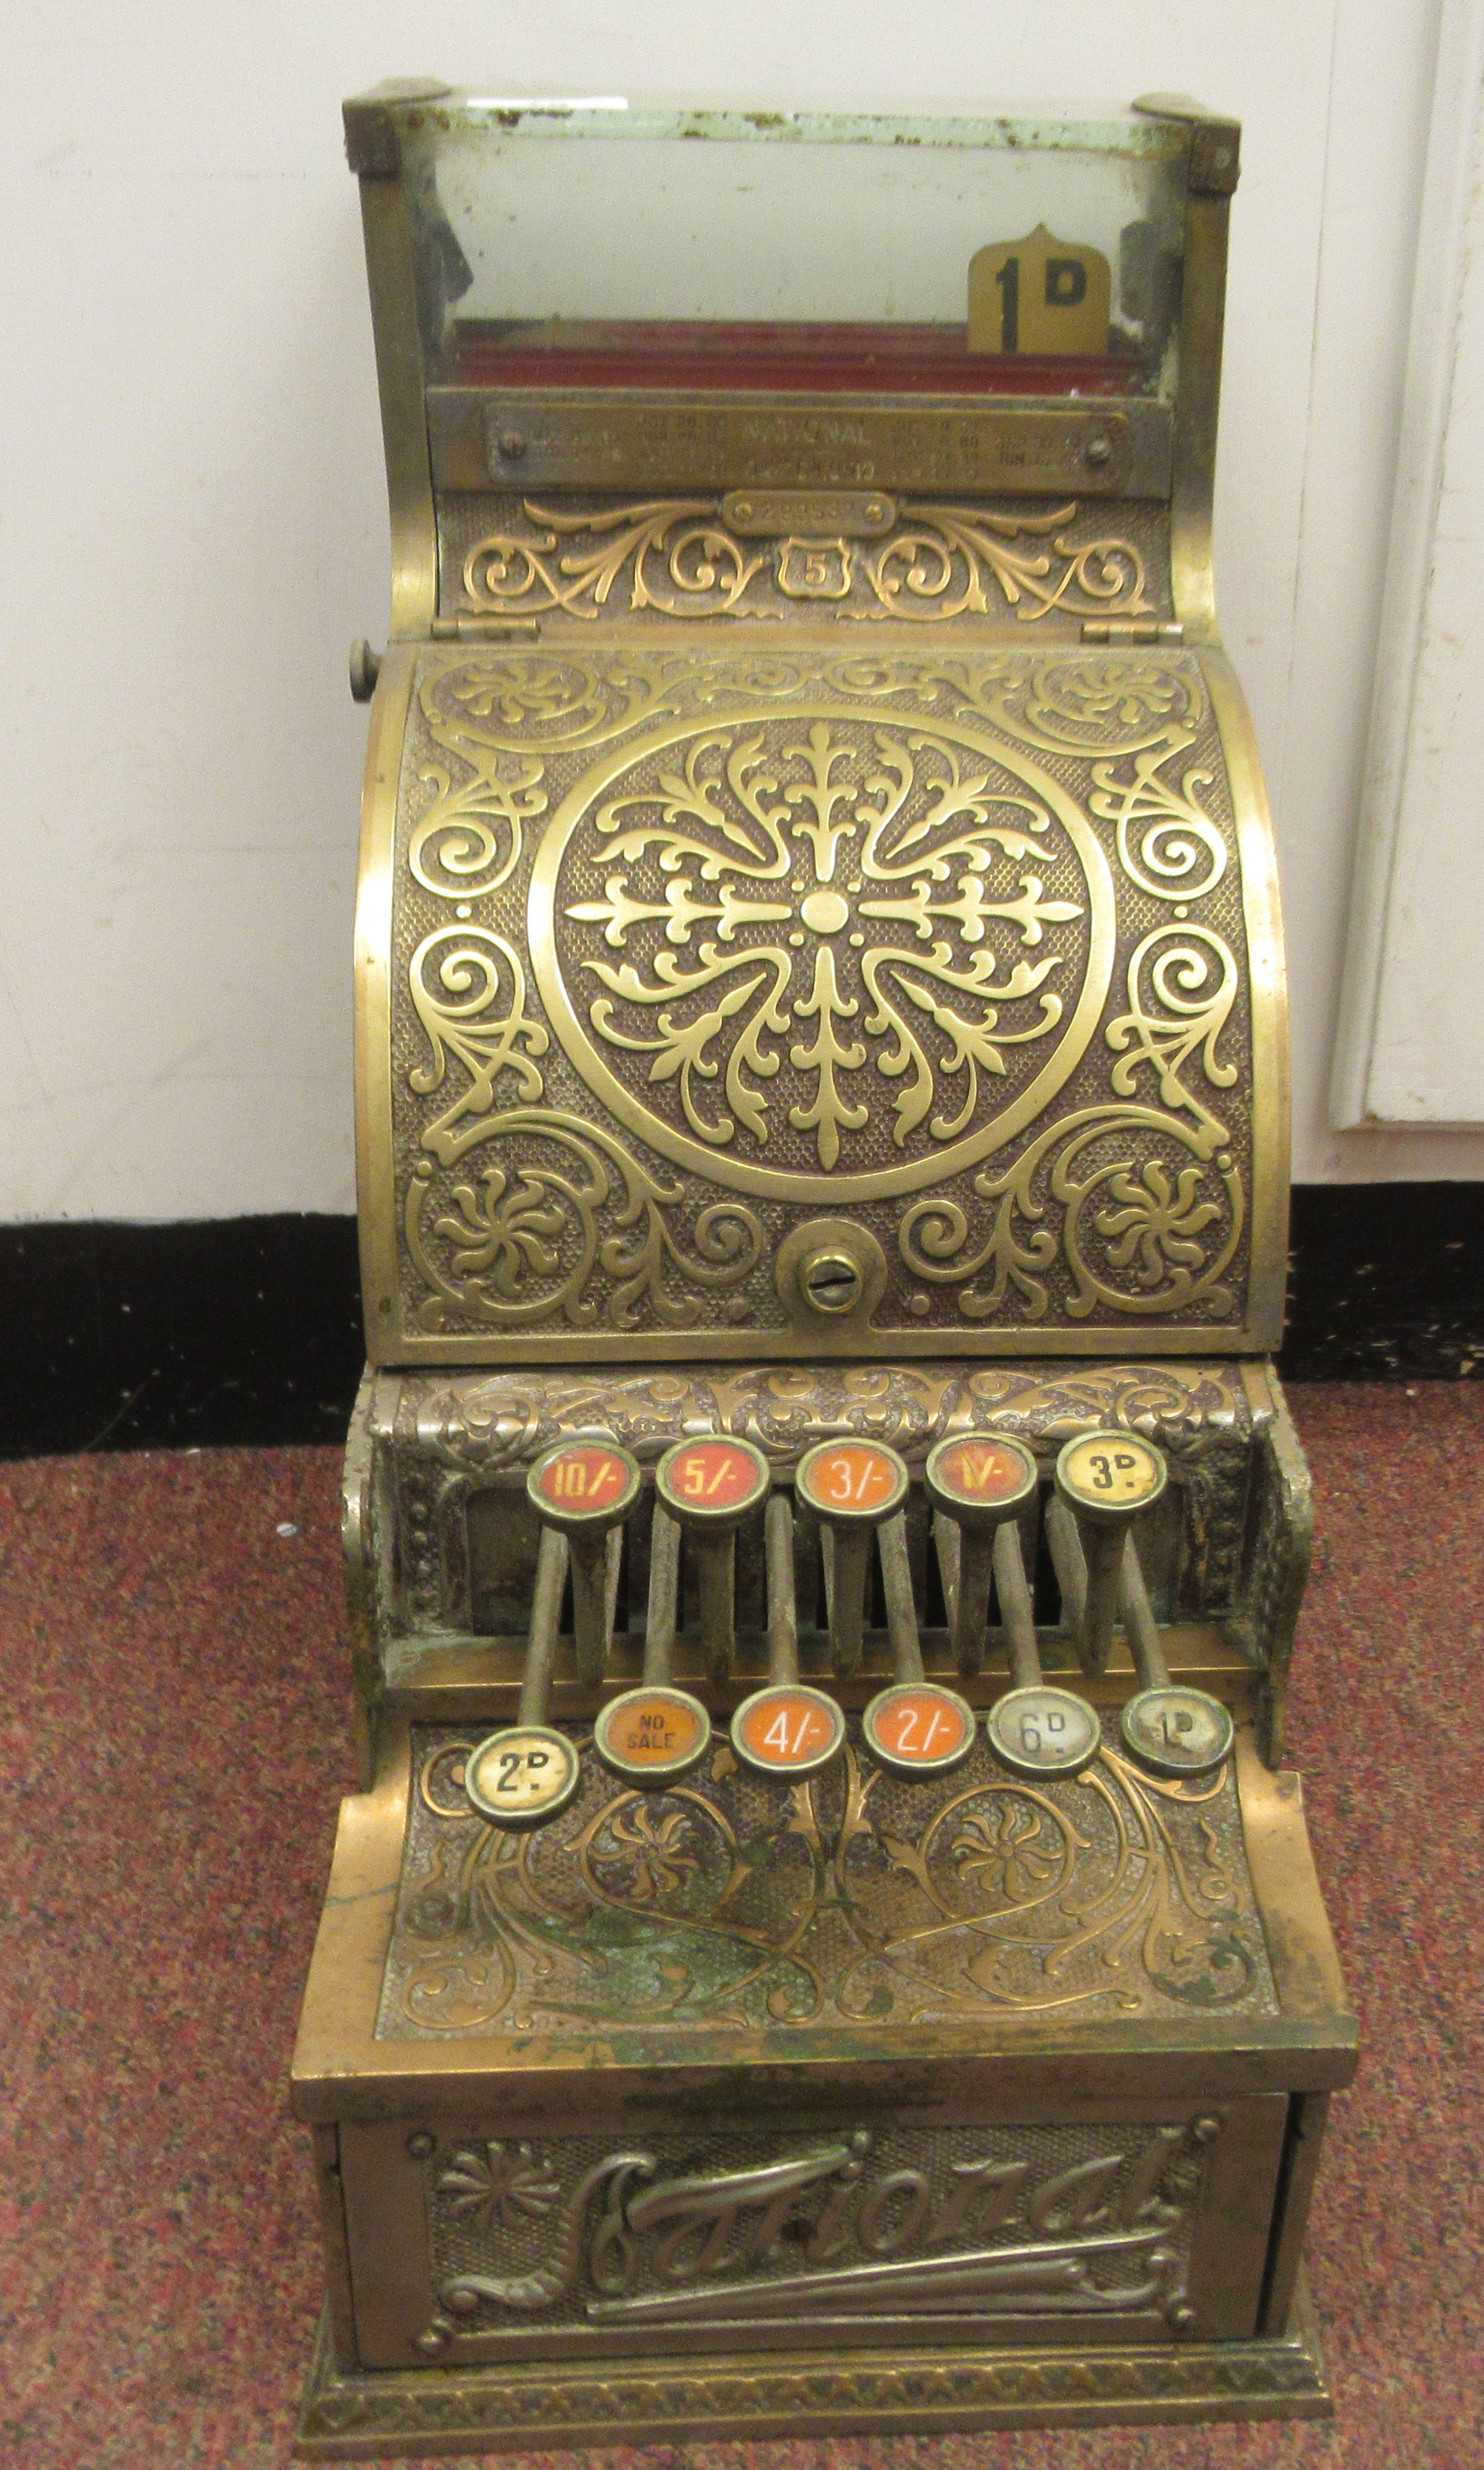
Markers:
575,558
691,950
721,1903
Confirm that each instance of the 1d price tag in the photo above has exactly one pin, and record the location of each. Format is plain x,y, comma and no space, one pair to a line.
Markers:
522,1776
788,1730
917,1729
1177,1732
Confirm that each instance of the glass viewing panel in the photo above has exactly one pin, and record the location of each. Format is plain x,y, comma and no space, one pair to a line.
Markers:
609,246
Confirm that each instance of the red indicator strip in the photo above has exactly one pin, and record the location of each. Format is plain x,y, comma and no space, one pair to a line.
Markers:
764,358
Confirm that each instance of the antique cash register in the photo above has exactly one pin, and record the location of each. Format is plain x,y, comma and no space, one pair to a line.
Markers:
825,1941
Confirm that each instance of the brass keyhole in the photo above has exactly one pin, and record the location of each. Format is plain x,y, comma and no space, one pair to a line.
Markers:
832,1282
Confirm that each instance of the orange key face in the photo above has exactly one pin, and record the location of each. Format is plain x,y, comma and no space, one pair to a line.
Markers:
984,1475
651,1735
845,1479
918,1729
584,1477
787,1731
707,1476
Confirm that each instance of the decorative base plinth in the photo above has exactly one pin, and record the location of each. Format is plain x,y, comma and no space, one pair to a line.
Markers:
542,2403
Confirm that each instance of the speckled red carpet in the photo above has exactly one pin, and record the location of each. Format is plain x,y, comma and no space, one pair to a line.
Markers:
172,1703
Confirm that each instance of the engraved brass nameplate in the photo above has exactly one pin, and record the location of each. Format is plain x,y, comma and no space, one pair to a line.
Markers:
614,439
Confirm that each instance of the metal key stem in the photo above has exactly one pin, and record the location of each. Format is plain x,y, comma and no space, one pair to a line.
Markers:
900,1610
783,1602
588,1555
1168,1726
659,1624
1139,1623
545,1617
978,1487
708,1487
1017,1612
853,1487
583,1489
1104,1480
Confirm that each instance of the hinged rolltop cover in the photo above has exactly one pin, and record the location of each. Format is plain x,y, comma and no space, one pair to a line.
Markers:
816,897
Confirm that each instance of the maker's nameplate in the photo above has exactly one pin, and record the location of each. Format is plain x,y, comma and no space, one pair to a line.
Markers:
614,439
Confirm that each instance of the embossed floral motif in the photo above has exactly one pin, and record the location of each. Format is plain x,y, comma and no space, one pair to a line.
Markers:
1008,1850
654,1860
750,882
1158,1221
1115,1893
499,2183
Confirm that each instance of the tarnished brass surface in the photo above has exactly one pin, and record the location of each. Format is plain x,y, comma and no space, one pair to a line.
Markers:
855,1898
794,967
485,1420
666,953
908,2388
796,553
1005,2007
467,2244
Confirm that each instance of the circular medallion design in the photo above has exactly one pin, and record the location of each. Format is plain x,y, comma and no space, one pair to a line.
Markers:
806,953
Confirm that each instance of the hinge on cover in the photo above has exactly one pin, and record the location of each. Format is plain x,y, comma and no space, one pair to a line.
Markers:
485,630
1132,630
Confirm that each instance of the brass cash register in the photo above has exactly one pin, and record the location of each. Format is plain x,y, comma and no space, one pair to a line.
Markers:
825,1941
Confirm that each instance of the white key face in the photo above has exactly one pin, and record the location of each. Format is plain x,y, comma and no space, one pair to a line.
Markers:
1043,1731
523,1776
1111,1471
1177,1732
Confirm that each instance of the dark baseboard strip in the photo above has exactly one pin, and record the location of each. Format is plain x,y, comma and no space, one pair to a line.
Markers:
248,1329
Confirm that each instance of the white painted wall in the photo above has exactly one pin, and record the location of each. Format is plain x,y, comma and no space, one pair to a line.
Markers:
193,522
1410,1038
